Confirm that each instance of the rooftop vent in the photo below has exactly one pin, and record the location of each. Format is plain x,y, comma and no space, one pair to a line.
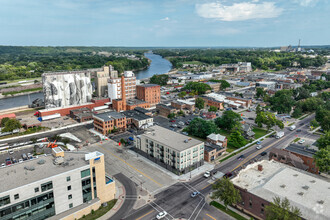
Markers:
283,186
295,175
320,202
300,193
29,168
312,181
40,162
186,141
58,160
305,187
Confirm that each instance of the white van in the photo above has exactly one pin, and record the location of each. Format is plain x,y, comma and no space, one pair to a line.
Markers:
292,127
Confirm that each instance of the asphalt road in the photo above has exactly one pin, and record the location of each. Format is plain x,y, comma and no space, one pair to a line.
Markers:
176,199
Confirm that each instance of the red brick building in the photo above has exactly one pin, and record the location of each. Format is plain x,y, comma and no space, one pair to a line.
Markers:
149,93
108,121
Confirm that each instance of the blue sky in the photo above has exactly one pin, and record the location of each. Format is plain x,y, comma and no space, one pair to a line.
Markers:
164,22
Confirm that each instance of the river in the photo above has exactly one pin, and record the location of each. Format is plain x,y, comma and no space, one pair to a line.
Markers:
158,65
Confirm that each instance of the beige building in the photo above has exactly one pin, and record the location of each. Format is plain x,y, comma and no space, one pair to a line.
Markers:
115,84
101,81
172,150
64,185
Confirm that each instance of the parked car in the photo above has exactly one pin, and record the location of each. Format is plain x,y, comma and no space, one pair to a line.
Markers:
24,156
172,121
227,175
194,194
258,142
251,118
11,151
161,215
14,160
30,156
20,160
263,153
301,141
207,174
241,157
8,162
298,130
259,147
3,165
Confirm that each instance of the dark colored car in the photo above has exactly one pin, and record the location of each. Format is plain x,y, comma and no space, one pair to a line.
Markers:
172,121
228,175
298,130
241,157
301,123
263,153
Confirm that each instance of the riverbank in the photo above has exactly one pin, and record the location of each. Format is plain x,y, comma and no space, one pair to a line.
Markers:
22,93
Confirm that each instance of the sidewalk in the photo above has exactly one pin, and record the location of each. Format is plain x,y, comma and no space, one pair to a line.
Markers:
120,195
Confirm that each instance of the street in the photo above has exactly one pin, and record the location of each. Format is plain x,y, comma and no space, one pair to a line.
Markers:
176,200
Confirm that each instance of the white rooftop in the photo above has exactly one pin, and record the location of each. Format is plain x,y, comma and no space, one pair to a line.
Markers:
216,96
216,137
305,191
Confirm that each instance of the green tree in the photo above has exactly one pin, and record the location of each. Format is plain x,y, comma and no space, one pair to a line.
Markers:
182,94
282,210
198,87
301,93
260,92
122,141
268,119
224,84
201,128
161,79
171,115
199,103
228,120
324,141
213,109
3,121
314,123
322,159
236,140
297,112
226,192
282,101
181,113
11,125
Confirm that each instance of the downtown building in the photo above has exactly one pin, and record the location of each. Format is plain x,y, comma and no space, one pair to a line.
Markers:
171,150
126,82
149,93
64,185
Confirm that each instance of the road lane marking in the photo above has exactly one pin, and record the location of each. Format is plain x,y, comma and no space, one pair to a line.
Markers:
145,215
131,166
200,211
211,216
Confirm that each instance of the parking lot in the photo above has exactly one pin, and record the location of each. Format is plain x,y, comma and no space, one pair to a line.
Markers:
141,171
166,123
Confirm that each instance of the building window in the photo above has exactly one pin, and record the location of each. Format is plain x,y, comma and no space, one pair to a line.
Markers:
85,173
69,188
70,205
70,196
16,196
36,189
262,211
68,178
46,186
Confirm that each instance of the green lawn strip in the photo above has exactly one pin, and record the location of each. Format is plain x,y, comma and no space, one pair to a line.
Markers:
28,131
228,211
101,211
304,116
291,124
259,132
295,140
22,91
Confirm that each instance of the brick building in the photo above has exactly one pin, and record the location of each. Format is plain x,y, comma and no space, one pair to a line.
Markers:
149,93
165,110
209,101
107,121
184,105
287,158
81,114
307,155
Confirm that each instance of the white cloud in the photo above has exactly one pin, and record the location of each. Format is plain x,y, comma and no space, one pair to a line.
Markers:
306,3
238,11
165,19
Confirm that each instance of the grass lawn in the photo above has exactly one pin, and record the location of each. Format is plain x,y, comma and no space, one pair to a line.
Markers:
101,211
304,116
295,140
26,90
224,133
291,124
259,132
228,211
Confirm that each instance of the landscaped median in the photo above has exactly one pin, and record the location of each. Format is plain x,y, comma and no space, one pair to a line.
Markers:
227,211
101,211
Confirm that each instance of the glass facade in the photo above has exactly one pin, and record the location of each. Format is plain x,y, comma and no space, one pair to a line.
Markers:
86,189
85,173
4,200
36,208
46,186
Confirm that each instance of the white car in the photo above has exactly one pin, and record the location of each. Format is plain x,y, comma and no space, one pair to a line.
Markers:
161,215
20,161
3,165
301,141
259,147
194,194
207,174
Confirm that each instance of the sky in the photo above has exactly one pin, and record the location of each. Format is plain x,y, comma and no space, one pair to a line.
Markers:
164,23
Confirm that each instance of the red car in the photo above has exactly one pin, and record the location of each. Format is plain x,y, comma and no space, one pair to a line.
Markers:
8,162
172,121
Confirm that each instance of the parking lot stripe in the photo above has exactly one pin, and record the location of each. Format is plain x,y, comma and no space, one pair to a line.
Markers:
145,215
211,216
131,166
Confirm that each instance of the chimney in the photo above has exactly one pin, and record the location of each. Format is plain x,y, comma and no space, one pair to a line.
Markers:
123,91
260,167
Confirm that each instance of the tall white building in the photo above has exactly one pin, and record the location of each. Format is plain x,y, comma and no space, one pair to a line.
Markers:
114,86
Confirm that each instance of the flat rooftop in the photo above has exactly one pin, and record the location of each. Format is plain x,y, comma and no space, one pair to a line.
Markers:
300,149
304,190
108,116
148,85
170,138
40,168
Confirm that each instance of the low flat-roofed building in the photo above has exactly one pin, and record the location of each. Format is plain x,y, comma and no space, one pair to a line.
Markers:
107,121
213,151
50,185
165,110
138,119
259,183
172,150
81,114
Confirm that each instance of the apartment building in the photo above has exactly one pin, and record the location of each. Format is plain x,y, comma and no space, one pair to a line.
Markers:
174,151
108,121
115,86
64,185
149,93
